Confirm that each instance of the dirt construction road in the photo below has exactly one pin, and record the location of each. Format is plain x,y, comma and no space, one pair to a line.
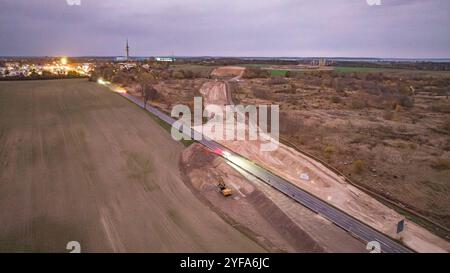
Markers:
78,163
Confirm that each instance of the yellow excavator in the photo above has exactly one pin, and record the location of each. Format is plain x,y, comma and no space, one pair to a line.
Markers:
223,188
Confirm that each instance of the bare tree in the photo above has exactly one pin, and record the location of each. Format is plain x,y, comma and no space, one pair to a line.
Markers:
145,80
150,93
107,72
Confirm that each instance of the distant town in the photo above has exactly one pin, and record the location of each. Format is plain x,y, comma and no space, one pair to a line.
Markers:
52,67
60,67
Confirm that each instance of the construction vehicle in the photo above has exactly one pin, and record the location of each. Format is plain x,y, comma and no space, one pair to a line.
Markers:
223,188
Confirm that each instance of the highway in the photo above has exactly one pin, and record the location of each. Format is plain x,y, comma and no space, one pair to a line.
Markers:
352,225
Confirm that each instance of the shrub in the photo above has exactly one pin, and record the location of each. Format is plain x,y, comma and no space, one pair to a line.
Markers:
388,115
290,125
336,99
398,107
277,80
120,78
446,125
261,93
49,74
255,72
178,74
106,72
93,77
73,74
441,164
358,103
405,101
165,75
447,145
441,107
337,85
405,90
441,91
189,74
358,166
328,152
402,128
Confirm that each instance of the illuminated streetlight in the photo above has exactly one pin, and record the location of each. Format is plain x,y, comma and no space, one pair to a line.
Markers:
63,60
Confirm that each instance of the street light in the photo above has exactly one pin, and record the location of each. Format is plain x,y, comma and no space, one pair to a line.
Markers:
63,60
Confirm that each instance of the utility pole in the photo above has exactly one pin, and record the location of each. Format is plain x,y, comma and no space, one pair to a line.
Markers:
127,50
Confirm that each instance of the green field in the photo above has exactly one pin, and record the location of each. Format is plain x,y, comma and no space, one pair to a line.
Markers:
281,73
344,69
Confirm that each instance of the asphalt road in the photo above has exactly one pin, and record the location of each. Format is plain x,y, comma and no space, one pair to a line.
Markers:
338,217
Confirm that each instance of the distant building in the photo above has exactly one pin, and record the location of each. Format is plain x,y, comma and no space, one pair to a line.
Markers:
127,65
319,63
322,62
164,59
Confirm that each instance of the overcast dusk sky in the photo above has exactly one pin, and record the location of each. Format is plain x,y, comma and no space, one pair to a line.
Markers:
296,28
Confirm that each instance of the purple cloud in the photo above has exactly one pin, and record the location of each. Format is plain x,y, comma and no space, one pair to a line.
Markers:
397,28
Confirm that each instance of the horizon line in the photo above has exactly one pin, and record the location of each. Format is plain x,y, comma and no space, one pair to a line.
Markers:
225,56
